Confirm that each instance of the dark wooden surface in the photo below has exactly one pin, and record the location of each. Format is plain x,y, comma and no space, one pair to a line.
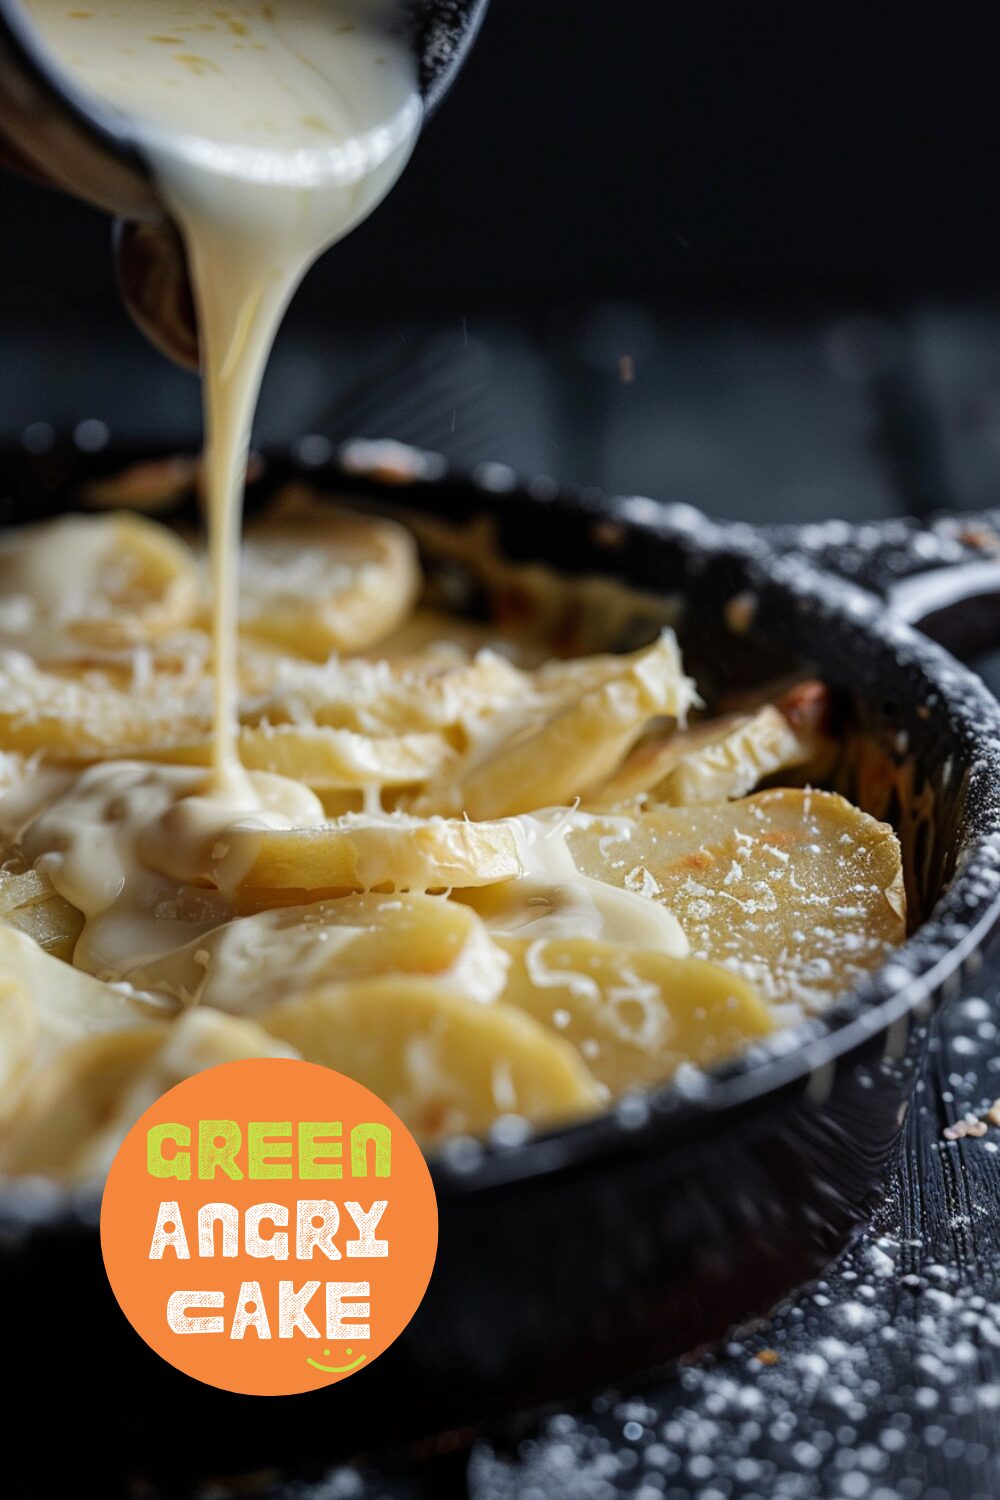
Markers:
882,1382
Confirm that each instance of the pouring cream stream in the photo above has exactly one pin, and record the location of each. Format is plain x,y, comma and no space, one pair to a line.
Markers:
272,129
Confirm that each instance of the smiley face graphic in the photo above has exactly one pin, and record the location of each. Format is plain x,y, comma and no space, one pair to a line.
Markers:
337,1369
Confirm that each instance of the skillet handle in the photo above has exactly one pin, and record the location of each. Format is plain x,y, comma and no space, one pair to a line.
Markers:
941,575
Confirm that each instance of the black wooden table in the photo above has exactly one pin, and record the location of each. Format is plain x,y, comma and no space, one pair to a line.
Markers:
881,1382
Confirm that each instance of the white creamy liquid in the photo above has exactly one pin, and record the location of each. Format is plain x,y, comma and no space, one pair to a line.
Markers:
552,899
272,130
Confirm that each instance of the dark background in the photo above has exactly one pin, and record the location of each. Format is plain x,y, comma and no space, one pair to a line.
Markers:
648,148
784,214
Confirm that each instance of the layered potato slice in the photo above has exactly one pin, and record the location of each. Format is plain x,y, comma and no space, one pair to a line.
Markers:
715,761
634,1015
48,1007
101,580
335,582
83,716
358,852
327,760
243,965
29,903
797,890
582,719
445,1064
462,869
80,717
380,697
77,1109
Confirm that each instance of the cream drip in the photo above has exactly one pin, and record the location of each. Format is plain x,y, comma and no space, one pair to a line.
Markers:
272,129
552,899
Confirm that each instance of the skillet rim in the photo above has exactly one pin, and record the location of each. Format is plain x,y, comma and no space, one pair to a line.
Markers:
910,983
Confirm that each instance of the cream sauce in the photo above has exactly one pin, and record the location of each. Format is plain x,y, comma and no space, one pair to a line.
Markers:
129,843
552,899
272,129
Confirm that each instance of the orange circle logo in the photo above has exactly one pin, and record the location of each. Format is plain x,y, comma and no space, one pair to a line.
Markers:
269,1226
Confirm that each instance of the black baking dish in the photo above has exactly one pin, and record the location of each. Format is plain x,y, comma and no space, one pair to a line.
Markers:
573,1256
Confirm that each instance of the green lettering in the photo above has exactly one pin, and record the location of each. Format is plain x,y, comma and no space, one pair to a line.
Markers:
316,1148
177,1165
381,1137
218,1143
266,1136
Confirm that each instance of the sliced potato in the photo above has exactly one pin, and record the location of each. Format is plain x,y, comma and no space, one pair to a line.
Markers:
242,966
337,582
69,1004
71,1098
29,903
717,761
432,634
382,697
361,853
76,714
18,1039
601,707
79,1108
329,760
71,718
798,891
445,1064
633,1014
405,723
107,579
48,1008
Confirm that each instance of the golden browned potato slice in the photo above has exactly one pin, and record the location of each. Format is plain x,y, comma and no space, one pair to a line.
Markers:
382,697
71,719
29,903
589,715
361,853
796,890
445,1064
329,759
716,761
78,1109
100,579
249,964
633,1014
398,736
337,582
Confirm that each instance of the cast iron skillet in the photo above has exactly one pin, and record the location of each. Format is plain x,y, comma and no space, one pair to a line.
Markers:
578,1255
